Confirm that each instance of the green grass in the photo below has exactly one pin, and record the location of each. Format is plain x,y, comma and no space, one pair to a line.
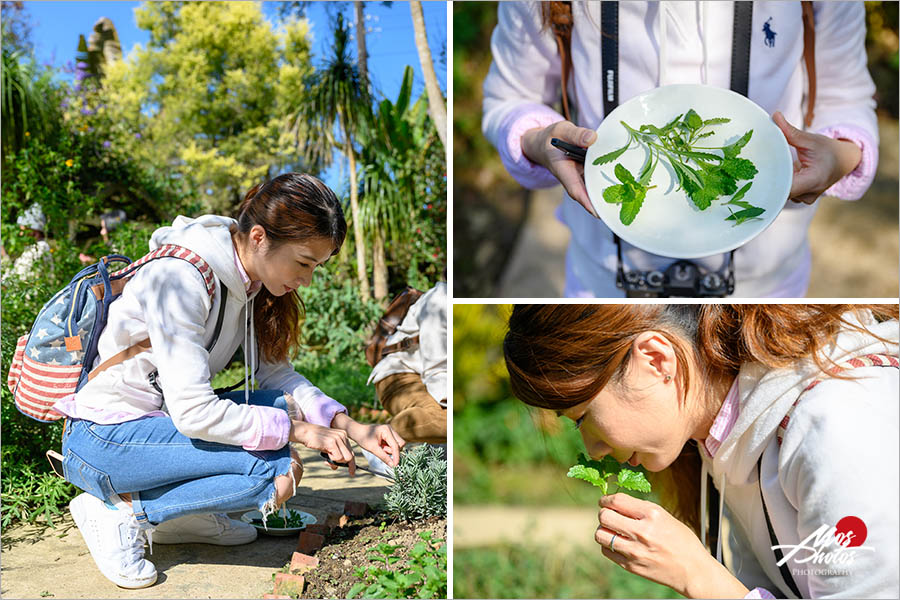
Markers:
528,572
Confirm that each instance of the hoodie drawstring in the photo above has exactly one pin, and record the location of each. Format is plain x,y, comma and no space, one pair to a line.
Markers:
249,352
703,22
661,16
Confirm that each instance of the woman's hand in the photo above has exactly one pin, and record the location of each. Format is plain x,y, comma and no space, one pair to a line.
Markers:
380,440
821,160
536,147
332,441
653,544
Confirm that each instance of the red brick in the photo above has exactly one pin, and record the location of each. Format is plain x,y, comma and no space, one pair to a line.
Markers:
308,543
355,509
274,596
319,528
288,584
300,563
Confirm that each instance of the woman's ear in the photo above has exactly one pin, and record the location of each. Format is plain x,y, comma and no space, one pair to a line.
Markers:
257,237
654,355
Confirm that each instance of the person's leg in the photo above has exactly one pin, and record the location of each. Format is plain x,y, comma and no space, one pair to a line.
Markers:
416,416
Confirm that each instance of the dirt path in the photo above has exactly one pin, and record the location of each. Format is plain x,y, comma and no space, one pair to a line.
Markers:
57,564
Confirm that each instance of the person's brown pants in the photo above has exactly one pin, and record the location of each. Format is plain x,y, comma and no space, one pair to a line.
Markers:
416,416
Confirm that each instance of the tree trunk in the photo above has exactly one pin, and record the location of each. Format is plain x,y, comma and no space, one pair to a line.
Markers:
358,238
436,107
379,266
362,56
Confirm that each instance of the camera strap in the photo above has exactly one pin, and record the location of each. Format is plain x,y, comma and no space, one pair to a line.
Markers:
654,283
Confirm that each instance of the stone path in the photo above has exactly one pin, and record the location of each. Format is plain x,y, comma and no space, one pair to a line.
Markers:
57,564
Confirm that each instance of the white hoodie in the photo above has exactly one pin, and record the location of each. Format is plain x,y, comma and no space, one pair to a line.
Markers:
167,301
839,458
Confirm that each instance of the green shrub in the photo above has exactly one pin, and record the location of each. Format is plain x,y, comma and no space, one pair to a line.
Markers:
420,489
423,575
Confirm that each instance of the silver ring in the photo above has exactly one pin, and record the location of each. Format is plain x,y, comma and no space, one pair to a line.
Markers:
612,541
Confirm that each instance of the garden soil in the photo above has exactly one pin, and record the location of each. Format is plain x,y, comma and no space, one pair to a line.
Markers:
55,563
350,547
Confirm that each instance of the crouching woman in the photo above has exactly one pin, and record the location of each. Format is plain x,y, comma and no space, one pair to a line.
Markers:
148,438
789,410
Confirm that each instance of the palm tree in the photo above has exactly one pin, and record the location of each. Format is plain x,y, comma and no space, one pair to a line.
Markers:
336,96
30,103
435,99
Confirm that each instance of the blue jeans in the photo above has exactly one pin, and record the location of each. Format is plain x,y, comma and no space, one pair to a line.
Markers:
168,474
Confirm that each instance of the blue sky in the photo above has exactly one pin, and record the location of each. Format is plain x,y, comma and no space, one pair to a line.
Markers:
389,41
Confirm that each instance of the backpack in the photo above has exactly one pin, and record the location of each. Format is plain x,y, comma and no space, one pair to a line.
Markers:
557,15
54,360
387,325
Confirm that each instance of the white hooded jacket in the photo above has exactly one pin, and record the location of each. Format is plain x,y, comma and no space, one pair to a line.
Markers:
167,301
839,458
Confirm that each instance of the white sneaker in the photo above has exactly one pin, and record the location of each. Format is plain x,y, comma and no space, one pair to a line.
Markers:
115,540
216,529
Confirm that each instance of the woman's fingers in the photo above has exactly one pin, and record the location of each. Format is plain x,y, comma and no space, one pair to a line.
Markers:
571,177
620,545
626,505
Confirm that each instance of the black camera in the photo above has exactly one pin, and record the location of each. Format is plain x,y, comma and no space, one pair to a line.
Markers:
682,279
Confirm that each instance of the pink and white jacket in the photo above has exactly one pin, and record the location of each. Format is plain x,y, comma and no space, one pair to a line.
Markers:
167,301
662,43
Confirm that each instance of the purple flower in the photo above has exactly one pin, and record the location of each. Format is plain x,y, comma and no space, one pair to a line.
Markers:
64,104
107,144
81,65
137,136
76,87
86,111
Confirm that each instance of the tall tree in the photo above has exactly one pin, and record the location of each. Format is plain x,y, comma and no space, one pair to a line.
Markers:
336,98
210,95
436,106
362,56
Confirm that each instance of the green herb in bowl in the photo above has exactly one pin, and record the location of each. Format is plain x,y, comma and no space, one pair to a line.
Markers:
291,520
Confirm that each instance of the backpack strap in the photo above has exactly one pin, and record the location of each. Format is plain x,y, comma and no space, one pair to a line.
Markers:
869,360
809,57
387,325
122,276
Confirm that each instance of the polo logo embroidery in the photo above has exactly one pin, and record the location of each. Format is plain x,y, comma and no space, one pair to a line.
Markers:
770,35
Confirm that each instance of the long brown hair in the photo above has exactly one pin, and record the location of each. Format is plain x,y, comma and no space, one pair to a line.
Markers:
293,207
559,356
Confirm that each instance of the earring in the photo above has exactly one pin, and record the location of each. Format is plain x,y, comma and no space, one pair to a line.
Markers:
667,378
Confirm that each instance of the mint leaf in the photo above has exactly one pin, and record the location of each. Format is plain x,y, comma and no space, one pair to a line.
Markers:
633,480
598,472
716,121
611,156
693,120
623,174
615,194
739,168
631,206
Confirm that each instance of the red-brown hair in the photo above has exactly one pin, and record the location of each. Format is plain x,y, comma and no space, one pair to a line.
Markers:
559,356
293,207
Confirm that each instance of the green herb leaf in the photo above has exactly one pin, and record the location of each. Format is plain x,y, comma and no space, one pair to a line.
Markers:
693,120
734,149
623,174
598,472
745,214
739,168
716,121
633,480
616,194
632,206
736,199
611,156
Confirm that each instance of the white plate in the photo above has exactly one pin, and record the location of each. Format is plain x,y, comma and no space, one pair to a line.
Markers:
255,515
669,224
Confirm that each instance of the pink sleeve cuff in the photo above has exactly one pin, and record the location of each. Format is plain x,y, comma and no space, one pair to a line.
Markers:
853,185
320,409
759,593
527,116
271,428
